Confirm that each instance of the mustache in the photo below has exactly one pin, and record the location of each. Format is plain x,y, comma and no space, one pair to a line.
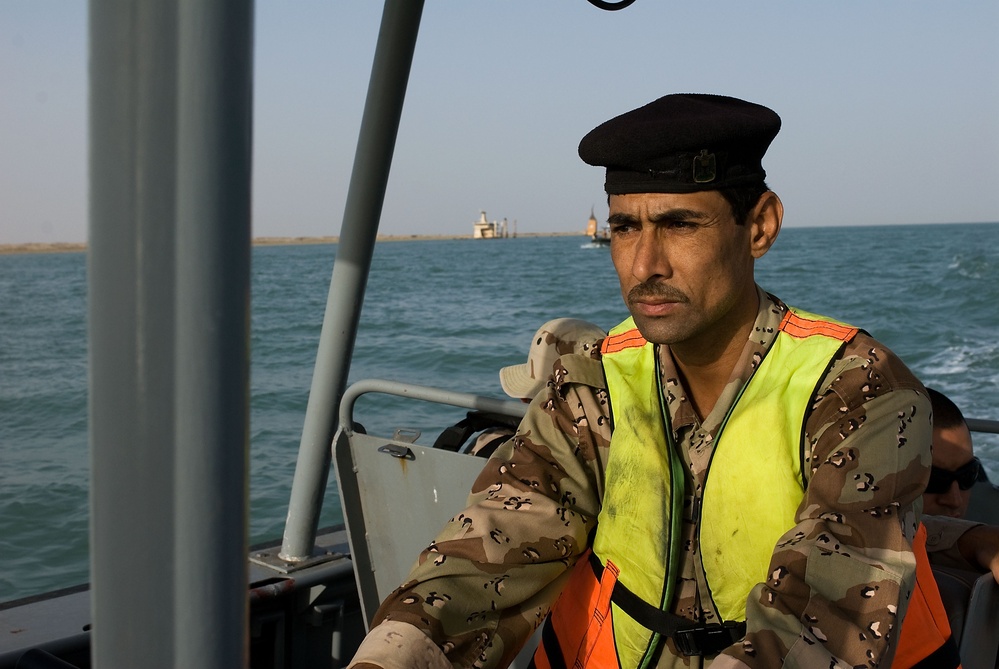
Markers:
661,291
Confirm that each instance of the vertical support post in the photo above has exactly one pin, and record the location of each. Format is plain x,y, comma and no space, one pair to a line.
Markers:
168,273
372,161
130,267
213,323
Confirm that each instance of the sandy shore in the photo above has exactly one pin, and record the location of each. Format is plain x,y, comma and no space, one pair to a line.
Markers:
75,247
34,247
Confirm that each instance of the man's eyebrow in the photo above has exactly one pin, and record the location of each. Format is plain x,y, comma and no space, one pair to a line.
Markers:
677,214
665,216
621,218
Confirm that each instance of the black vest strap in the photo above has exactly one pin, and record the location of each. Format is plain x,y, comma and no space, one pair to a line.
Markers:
553,651
690,637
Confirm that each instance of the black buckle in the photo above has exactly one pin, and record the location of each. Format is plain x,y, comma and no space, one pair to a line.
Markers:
708,639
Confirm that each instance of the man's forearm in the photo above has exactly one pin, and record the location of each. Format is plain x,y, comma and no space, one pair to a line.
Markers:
396,645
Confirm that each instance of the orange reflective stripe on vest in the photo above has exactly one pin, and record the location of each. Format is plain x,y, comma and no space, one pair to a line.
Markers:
925,641
799,325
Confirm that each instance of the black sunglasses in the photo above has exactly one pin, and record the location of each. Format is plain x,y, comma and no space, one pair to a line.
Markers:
965,475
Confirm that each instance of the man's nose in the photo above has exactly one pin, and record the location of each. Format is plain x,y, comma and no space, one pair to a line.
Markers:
952,497
651,258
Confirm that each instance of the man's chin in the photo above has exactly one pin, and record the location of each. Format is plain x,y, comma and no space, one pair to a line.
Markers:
655,330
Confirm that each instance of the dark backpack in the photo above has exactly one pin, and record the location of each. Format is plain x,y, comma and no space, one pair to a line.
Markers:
454,437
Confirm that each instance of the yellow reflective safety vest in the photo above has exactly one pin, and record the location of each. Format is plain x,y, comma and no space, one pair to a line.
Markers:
758,444
614,611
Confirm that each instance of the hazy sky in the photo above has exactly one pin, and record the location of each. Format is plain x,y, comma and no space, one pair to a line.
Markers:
890,108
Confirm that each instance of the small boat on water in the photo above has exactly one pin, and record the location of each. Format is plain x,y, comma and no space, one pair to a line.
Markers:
173,584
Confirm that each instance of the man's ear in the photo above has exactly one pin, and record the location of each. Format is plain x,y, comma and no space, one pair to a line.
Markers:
764,223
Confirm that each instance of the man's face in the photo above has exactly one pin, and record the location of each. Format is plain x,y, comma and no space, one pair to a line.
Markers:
951,451
685,266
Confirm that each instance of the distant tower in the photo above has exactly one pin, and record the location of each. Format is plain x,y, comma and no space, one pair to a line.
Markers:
591,225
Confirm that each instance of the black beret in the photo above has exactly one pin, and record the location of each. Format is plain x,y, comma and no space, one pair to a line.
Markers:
682,143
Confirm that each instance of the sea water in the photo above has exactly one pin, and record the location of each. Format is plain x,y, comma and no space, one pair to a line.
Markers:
445,313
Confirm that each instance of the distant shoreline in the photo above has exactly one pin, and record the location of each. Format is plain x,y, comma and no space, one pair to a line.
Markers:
78,247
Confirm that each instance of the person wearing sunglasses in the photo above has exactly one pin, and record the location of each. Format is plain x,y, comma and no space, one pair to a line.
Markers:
955,467
951,540
949,490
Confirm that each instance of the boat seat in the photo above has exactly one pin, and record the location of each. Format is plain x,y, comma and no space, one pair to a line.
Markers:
396,495
972,603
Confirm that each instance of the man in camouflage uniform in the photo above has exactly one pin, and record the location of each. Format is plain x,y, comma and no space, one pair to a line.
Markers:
689,214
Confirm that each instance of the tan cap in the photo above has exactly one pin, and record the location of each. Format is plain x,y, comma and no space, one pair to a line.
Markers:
554,338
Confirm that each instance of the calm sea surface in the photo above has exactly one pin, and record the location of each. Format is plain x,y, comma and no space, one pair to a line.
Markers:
446,314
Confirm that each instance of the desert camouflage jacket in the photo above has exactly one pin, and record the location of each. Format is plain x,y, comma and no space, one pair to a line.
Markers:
838,579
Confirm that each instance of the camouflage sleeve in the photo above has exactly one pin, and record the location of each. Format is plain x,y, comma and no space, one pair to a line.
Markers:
490,576
840,579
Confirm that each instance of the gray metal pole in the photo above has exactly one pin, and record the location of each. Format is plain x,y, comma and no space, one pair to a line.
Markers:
376,142
168,330
130,329
213,323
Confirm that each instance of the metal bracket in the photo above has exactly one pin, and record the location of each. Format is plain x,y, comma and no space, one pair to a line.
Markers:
270,558
398,451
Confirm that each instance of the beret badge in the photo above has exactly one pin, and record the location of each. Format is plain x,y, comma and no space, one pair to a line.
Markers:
705,167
